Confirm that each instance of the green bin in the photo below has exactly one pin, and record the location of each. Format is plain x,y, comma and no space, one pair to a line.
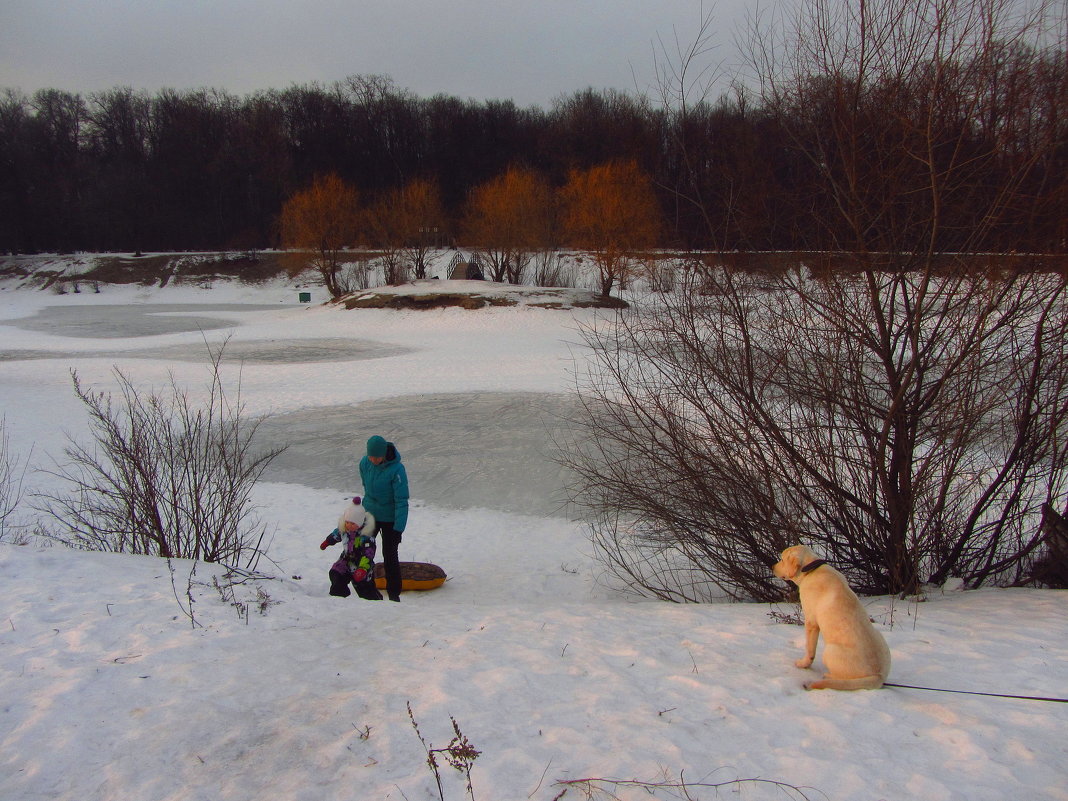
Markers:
305,297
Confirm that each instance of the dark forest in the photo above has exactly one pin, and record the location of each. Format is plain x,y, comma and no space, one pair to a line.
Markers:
125,170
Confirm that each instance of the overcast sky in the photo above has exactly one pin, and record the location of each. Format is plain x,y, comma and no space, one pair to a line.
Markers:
530,51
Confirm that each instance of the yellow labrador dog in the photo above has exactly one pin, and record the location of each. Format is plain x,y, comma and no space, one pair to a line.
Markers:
855,654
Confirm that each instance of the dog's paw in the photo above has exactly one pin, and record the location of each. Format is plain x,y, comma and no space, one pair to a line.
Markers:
806,662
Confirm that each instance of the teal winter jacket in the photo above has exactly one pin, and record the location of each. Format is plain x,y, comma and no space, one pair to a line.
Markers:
385,489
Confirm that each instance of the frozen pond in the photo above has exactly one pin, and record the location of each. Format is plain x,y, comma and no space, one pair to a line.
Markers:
272,351
492,450
127,322
121,322
462,450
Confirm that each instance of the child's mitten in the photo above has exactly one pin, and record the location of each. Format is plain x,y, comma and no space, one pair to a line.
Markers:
361,571
332,538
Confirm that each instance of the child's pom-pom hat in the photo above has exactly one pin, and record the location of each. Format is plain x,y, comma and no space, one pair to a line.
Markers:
354,513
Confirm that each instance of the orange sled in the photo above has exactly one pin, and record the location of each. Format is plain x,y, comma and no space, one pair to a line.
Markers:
414,576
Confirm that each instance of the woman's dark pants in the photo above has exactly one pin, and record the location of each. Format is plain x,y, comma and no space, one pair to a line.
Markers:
390,543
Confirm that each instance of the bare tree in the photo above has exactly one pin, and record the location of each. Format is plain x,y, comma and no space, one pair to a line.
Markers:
902,408
919,126
166,477
909,426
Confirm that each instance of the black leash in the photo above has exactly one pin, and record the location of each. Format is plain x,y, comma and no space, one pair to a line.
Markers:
973,692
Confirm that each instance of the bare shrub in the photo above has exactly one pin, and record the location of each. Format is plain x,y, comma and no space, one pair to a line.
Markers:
660,273
394,269
898,406
12,474
909,426
550,269
354,276
167,476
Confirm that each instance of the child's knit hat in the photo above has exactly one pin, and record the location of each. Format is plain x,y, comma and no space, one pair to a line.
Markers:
354,513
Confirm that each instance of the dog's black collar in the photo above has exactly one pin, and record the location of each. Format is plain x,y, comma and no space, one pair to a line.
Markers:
813,565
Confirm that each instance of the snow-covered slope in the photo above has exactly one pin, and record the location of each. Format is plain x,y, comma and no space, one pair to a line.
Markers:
113,687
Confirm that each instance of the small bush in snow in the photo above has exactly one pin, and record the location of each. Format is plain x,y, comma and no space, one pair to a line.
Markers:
11,475
167,476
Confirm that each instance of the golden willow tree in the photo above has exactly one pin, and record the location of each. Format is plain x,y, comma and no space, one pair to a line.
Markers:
317,223
509,218
420,218
611,211
406,225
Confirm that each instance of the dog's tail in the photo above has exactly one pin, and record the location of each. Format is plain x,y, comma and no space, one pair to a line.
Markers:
873,682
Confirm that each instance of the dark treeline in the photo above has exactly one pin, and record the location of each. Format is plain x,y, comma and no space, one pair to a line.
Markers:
123,170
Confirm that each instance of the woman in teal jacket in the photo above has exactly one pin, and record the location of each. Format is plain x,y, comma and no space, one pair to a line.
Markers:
385,495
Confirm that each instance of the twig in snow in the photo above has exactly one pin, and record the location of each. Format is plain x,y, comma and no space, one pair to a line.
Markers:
598,787
542,779
189,594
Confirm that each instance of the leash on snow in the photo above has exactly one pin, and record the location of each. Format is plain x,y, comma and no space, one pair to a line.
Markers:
973,692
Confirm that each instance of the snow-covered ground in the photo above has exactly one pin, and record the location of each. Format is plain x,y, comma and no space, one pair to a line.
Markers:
108,690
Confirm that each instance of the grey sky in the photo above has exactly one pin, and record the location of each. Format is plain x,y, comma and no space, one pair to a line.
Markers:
528,50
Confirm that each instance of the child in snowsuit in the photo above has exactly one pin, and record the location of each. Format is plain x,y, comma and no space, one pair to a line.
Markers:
355,530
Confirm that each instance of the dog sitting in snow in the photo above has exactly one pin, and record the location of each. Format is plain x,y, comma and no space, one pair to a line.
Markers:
855,654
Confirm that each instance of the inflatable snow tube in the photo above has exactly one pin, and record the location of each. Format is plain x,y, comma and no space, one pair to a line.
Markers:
414,576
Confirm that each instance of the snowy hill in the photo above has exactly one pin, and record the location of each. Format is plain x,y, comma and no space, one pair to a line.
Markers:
137,678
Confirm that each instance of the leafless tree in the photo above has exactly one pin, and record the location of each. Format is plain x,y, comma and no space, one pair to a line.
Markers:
894,399
910,426
923,127
166,476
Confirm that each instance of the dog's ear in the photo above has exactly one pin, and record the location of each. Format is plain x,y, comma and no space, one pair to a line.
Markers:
791,560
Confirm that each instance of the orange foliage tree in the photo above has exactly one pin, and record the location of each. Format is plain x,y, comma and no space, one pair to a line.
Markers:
383,231
507,219
410,221
610,210
316,224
